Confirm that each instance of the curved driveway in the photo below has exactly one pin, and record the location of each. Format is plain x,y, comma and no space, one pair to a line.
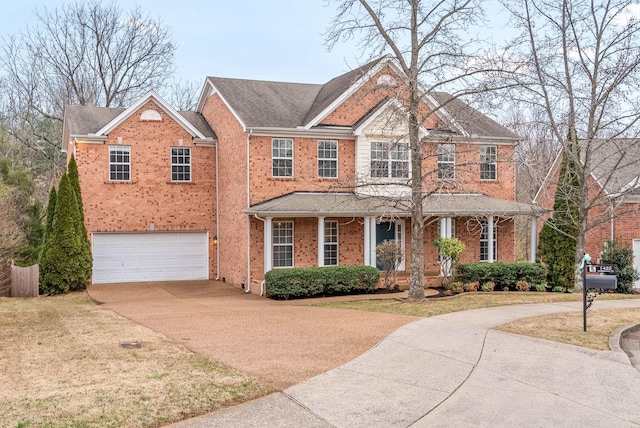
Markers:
449,370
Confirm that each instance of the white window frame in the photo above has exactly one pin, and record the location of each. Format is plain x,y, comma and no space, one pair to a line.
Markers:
331,242
484,247
281,155
446,161
332,159
388,156
122,151
177,165
281,242
489,162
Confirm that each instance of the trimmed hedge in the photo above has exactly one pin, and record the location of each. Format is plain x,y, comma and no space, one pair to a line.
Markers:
503,275
320,281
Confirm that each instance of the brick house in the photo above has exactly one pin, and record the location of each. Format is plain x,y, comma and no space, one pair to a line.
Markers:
294,175
614,189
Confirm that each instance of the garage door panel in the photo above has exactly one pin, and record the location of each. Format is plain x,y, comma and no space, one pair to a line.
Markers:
157,256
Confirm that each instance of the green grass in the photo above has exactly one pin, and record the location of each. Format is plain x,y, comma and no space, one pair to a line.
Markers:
465,301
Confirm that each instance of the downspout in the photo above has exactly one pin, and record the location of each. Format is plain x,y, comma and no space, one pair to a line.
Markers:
261,282
217,216
248,288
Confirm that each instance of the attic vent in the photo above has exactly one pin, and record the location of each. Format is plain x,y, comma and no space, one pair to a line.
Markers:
387,80
150,115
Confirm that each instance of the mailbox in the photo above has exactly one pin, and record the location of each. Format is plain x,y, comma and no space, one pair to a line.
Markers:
607,282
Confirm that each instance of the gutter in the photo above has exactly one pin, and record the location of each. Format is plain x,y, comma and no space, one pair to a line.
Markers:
248,287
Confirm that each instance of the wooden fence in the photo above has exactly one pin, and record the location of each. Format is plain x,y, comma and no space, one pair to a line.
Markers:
24,281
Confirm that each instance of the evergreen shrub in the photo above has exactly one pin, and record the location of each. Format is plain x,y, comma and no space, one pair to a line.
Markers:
320,281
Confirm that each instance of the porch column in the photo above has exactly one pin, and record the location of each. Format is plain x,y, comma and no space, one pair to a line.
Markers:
320,241
490,238
267,244
445,227
369,241
534,238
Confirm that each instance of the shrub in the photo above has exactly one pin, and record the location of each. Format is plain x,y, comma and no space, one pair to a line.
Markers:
455,287
488,286
320,281
389,256
559,289
503,275
538,287
471,286
620,256
449,250
523,286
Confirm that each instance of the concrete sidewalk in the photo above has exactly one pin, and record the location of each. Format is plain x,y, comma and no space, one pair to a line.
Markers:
454,371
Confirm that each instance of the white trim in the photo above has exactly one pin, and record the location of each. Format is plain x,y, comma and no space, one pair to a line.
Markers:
283,158
354,88
320,241
490,237
442,110
209,90
268,238
151,95
382,110
401,231
318,159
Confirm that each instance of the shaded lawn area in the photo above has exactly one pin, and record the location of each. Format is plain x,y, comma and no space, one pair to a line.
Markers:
62,366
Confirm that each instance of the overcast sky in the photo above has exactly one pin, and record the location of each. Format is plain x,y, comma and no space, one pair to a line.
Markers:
254,39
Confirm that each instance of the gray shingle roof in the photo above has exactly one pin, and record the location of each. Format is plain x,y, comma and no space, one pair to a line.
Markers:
616,164
301,204
86,120
265,104
290,105
471,120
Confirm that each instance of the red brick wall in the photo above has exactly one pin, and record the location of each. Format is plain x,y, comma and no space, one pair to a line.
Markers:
305,169
150,197
467,171
232,197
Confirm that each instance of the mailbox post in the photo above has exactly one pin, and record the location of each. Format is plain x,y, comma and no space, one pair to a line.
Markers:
604,282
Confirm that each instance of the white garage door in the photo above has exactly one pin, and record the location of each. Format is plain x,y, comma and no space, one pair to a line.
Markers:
152,256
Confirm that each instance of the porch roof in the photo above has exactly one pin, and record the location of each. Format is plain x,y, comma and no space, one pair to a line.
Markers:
346,204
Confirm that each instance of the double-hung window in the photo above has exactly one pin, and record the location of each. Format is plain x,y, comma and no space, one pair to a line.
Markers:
327,159
330,243
446,161
119,163
282,242
389,159
484,240
180,164
282,157
488,162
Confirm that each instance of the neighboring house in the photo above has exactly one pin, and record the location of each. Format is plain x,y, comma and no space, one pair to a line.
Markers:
296,175
614,192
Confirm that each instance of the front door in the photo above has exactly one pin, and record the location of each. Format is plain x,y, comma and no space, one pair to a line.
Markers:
390,231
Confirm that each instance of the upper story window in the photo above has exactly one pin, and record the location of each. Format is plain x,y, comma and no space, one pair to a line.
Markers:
180,164
389,159
488,162
446,161
327,159
282,157
119,163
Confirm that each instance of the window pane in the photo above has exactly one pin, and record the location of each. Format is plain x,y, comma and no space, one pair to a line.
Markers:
282,157
282,242
119,163
180,164
331,243
446,161
327,159
488,162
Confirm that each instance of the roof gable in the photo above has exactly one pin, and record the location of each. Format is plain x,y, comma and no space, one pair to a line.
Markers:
151,96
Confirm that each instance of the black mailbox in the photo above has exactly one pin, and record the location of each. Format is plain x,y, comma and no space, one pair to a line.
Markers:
608,282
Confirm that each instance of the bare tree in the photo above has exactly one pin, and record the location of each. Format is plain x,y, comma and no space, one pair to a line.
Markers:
84,53
430,41
579,61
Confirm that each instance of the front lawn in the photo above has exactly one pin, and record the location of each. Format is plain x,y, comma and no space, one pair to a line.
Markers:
66,362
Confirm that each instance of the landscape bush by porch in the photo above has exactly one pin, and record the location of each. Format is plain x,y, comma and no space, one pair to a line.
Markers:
503,275
320,281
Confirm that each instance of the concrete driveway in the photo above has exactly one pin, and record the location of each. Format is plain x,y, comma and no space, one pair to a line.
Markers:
277,342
